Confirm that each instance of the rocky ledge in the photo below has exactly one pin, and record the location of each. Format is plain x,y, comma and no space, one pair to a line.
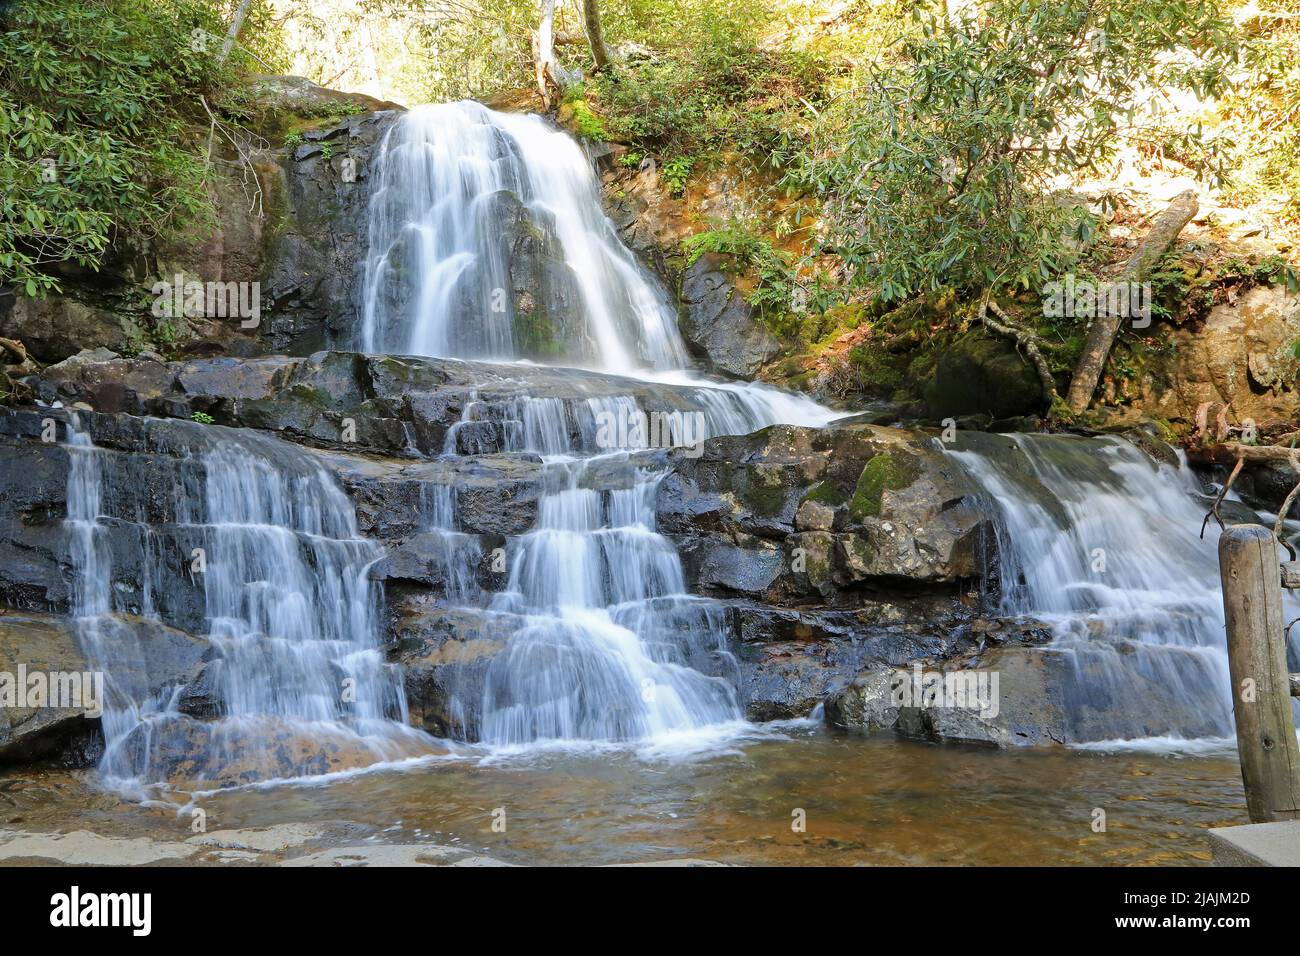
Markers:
828,551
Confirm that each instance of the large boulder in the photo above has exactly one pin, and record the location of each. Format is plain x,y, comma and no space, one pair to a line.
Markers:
719,325
828,515
1243,355
1011,687
981,374
58,326
149,660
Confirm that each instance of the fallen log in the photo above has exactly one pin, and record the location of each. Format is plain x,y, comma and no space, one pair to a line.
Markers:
1101,333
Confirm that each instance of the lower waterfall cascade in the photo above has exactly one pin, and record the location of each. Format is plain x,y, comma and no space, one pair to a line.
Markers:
291,615
1104,545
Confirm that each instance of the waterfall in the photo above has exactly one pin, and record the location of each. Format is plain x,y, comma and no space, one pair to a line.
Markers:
1104,545
297,679
604,643
612,648
438,277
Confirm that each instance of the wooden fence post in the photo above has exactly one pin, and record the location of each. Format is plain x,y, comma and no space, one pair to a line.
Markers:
1261,693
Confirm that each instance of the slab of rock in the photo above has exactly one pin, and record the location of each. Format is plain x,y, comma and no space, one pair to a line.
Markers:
719,324
150,658
791,513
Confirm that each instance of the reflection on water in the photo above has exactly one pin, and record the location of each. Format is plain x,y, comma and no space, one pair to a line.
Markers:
873,801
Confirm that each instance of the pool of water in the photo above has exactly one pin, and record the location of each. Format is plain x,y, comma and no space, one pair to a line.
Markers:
863,801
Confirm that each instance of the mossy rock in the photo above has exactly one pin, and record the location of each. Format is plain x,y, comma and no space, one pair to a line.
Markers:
826,493
981,373
890,470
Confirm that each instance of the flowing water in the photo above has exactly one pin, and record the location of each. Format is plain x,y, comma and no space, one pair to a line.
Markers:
607,645
437,279
1104,545
291,616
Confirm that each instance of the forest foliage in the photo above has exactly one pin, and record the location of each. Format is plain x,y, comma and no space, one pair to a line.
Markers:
932,144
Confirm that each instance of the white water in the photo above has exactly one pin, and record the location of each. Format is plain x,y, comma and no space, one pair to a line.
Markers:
1104,546
296,668
436,259
605,644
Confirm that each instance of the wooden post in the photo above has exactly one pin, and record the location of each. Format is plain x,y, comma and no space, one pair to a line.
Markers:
1252,606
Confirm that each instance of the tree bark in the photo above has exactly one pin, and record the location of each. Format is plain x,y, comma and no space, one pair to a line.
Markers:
595,35
544,52
233,33
1101,334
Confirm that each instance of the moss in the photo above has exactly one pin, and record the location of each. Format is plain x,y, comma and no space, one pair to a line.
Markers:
311,395
881,472
824,492
760,488
535,331
766,500
583,121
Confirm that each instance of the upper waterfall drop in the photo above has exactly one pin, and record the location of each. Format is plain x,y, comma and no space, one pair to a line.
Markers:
455,184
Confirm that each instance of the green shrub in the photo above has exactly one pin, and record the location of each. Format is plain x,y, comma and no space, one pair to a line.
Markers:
102,127
940,169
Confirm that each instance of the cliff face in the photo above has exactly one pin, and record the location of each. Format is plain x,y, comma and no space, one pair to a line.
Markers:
827,550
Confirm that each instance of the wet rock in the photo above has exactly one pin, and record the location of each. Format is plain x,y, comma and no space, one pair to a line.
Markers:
399,406
316,221
200,755
445,654
792,659
797,513
149,659
866,704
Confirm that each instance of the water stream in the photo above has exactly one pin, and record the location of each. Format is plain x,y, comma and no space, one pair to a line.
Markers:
296,669
1104,545
607,645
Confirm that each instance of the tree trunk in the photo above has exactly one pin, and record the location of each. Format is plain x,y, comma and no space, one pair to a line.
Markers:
1101,334
595,35
233,33
544,52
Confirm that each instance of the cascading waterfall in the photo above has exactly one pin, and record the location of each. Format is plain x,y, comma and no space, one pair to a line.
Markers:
605,644
438,277
297,676
613,648
1103,545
